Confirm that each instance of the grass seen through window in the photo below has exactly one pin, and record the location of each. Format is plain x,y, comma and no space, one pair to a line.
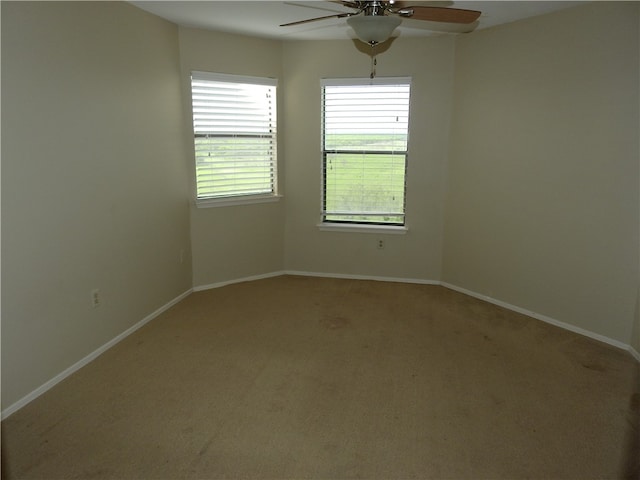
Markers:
363,177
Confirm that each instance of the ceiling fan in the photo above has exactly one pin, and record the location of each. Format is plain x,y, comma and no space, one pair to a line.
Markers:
375,20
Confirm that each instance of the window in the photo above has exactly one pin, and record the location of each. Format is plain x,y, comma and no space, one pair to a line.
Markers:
234,124
365,132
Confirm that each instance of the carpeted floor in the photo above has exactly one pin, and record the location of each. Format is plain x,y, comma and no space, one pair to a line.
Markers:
295,377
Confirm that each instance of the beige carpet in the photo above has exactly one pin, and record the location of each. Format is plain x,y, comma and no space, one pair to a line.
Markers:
295,377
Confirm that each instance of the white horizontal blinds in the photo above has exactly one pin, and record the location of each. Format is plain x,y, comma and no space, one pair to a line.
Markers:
234,123
365,135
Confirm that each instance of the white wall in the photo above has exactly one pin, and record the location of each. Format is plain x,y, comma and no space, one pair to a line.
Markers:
94,181
416,255
542,206
245,240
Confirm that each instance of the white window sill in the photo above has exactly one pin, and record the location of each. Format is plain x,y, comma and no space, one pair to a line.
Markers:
229,201
342,227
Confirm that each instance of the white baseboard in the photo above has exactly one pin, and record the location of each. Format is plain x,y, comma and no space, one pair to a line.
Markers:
93,355
537,316
314,274
237,280
362,277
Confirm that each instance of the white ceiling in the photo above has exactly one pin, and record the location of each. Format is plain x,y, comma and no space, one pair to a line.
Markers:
262,18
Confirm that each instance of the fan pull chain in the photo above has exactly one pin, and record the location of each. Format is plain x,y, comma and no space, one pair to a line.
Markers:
374,62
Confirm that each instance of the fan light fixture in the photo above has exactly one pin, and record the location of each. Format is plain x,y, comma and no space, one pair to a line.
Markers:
373,29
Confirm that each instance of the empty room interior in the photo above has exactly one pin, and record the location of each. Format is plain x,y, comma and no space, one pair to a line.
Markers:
487,327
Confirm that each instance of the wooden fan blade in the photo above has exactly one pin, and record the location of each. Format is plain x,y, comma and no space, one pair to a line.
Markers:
439,14
300,22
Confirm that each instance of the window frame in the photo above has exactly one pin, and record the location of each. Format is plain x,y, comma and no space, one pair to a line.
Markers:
235,198
360,225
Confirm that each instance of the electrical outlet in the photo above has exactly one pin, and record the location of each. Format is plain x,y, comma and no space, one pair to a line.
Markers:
380,244
96,299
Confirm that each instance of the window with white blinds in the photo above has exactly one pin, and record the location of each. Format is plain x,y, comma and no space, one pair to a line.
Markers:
365,126
234,124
